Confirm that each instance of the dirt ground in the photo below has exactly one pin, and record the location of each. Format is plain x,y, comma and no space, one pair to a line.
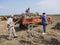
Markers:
51,33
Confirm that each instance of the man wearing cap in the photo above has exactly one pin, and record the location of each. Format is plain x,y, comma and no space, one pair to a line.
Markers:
11,28
44,22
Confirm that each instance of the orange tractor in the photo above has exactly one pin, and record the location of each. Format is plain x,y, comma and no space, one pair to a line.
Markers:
30,21
36,20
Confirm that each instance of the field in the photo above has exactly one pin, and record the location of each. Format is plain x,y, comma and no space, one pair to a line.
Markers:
52,36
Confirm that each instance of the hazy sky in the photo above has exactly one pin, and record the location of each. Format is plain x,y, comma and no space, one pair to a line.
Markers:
19,6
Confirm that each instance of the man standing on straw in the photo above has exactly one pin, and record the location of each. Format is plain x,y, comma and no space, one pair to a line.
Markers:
44,22
27,12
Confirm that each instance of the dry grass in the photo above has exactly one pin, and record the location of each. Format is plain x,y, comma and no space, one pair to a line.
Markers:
50,32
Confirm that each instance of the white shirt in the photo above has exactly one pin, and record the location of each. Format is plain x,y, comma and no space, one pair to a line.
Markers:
10,21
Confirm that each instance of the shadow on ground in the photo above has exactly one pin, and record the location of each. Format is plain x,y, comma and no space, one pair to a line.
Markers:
20,28
3,36
57,26
52,41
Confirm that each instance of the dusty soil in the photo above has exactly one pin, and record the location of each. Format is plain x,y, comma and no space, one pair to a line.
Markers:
33,37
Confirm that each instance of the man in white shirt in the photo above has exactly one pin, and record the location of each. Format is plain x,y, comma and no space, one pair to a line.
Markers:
11,28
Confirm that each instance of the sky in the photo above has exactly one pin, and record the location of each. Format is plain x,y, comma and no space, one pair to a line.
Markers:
19,6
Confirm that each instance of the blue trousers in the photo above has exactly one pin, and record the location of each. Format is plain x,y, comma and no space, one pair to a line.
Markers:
44,27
